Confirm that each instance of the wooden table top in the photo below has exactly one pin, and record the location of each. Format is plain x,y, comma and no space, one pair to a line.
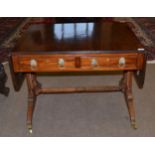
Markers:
78,37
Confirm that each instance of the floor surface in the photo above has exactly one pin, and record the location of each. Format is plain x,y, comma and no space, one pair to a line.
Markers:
95,114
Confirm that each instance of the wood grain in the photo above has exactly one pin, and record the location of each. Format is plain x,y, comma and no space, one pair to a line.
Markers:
77,62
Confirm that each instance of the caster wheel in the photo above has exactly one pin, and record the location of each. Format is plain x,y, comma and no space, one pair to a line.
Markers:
133,125
30,129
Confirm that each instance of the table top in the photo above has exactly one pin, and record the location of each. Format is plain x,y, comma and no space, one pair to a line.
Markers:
78,37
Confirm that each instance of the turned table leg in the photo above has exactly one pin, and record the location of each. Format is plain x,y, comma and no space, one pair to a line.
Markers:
127,90
33,85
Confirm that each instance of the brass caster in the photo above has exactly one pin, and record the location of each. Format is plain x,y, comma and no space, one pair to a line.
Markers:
30,131
133,125
30,128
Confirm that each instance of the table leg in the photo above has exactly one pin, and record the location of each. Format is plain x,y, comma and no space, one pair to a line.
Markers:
32,87
127,90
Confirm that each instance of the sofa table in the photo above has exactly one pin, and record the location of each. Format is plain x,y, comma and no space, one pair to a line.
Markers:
78,48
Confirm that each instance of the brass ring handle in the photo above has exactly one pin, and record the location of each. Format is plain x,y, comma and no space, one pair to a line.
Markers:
61,62
94,62
122,62
33,63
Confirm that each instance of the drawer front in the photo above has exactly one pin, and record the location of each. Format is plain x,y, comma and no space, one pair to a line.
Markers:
42,63
90,62
110,62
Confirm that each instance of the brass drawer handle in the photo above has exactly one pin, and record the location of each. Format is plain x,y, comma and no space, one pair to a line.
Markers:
61,62
122,62
94,62
33,63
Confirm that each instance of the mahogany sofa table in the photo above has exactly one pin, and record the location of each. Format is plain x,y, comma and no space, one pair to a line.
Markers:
81,48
